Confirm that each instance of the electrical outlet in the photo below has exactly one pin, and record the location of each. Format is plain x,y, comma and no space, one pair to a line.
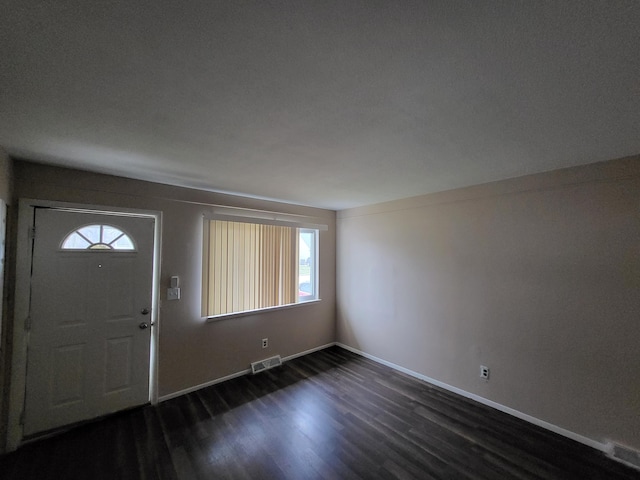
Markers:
484,372
265,342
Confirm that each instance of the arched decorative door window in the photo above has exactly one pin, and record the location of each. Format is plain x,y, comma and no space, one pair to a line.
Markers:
98,237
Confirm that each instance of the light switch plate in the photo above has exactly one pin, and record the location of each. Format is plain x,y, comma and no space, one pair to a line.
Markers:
173,294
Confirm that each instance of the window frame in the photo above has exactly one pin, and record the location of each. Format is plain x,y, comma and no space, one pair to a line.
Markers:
279,220
91,245
315,295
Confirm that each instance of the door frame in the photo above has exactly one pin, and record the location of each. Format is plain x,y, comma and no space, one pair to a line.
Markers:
24,253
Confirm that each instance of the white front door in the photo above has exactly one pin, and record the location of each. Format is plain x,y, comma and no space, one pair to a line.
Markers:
89,336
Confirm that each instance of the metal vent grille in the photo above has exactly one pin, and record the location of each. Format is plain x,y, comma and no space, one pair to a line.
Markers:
626,455
266,364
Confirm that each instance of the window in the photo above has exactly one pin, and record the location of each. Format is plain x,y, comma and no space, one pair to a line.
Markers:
250,266
307,263
98,237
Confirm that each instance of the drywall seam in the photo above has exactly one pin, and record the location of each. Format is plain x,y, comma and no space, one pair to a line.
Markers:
490,403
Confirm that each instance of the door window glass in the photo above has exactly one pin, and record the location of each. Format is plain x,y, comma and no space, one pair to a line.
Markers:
98,237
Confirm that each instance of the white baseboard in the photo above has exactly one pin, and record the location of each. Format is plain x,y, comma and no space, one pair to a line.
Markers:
603,447
490,403
237,374
307,352
203,385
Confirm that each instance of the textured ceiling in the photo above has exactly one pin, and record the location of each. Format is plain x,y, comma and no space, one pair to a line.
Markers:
330,104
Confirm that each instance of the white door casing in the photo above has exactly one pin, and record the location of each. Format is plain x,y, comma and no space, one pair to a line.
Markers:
87,355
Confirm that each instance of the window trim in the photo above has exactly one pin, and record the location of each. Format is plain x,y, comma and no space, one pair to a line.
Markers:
268,217
277,220
246,313
261,218
316,277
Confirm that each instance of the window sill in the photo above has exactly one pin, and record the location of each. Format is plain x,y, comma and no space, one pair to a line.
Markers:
228,316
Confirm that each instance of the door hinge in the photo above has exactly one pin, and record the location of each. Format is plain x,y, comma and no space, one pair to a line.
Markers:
32,232
27,323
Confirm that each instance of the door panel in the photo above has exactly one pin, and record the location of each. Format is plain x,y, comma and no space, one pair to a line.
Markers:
68,365
87,355
119,364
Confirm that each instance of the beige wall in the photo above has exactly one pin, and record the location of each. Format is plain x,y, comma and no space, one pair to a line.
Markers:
6,190
6,177
537,278
193,352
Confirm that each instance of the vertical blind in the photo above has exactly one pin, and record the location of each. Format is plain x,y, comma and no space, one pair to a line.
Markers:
248,266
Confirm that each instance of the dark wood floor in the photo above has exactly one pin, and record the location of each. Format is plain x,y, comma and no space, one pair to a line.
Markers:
329,415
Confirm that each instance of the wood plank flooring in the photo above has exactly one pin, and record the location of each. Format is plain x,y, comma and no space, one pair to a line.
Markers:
328,415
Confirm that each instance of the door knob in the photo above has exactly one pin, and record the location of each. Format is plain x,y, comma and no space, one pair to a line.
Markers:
144,311
143,325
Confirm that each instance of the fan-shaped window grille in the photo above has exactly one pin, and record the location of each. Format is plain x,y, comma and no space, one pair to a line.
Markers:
98,237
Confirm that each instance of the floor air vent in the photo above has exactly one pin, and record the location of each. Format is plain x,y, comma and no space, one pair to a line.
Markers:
625,455
266,364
